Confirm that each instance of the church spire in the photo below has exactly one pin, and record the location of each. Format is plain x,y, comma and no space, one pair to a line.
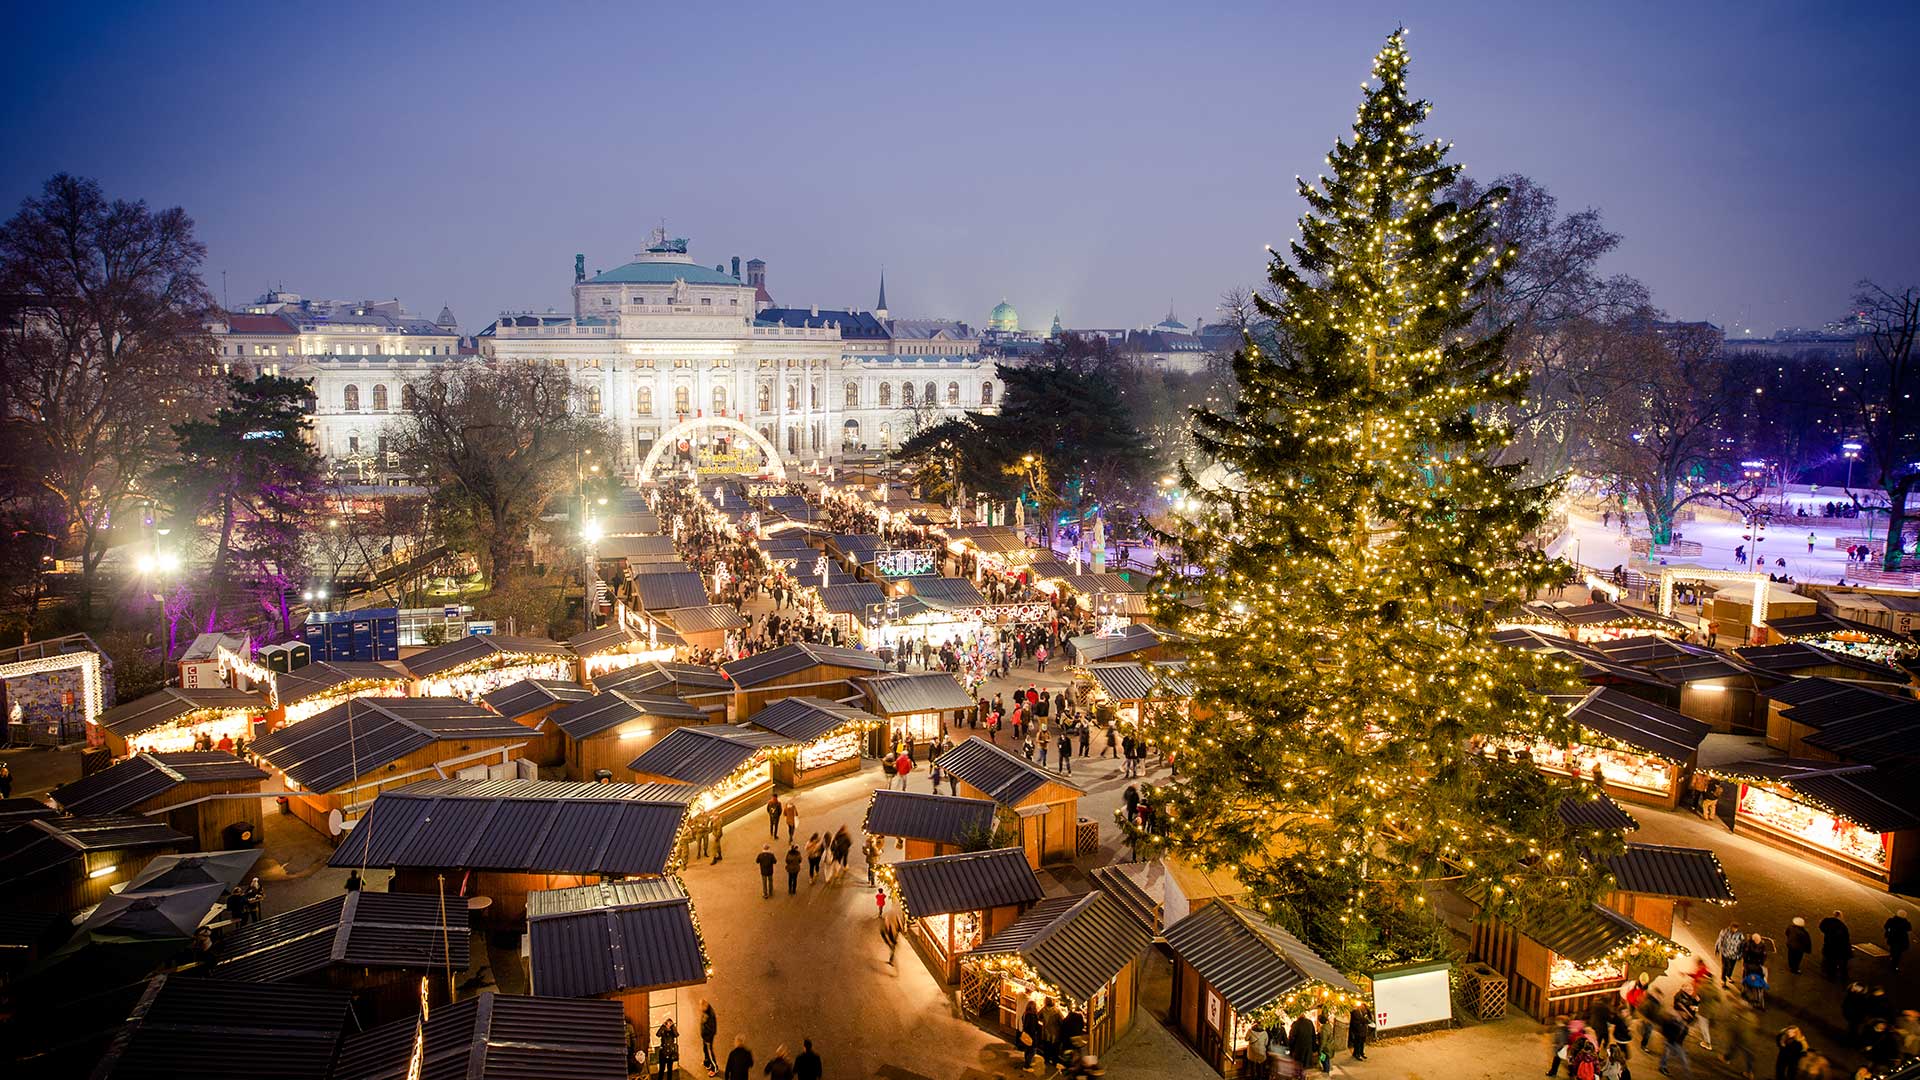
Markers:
880,309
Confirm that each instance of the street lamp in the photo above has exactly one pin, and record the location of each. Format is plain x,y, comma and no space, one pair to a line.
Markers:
157,566
591,533
1850,451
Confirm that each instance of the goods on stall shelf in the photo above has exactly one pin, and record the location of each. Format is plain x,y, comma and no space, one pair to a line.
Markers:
1567,975
829,750
1815,827
473,685
1622,768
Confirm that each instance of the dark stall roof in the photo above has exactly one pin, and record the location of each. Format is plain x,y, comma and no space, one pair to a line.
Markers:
147,776
497,1037
163,707
932,691
1580,811
49,843
552,789
1077,943
704,618
1138,887
1816,700
1250,961
970,881
1605,613
1884,800
1702,668
678,589
1648,649
1003,777
705,755
1647,727
804,719
1586,935
325,676
786,660
853,599
939,819
478,647
1683,873
1793,656
217,1028
684,680
620,935
629,544
1824,624
603,712
19,811
1595,668
529,695
945,593
1137,636
359,737
359,929
1126,680
609,638
447,828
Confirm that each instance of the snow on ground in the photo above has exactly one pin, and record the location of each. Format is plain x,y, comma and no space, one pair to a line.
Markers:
1595,545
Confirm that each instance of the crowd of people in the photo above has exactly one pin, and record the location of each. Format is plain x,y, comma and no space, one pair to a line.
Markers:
662,1059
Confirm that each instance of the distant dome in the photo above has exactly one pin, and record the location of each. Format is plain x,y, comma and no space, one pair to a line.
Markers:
1004,318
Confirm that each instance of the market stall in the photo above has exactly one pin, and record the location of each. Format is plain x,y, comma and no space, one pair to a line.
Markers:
605,731
1081,951
1595,667
211,796
1799,658
1842,720
828,738
619,644
317,687
729,768
1135,641
1653,882
1634,749
705,688
916,708
1046,803
706,626
63,864
471,667
802,669
1860,820
1127,687
624,941
1602,620
530,703
924,825
1557,965
1835,634
1715,689
954,903
172,718
1235,970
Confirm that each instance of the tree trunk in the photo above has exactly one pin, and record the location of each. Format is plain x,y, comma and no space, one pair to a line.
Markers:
1897,522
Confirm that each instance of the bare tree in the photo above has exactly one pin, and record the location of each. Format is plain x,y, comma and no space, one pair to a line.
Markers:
1889,410
106,349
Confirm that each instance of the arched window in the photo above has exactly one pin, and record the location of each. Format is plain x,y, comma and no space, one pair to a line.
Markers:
906,395
793,397
379,397
850,434
886,395
813,398
409,398
682,399
719,401
853,395
592,396
932,396
350,398
643,401
763,398
986,393
953,393
886,436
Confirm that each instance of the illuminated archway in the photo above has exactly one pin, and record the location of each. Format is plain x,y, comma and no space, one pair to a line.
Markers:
686,429
1759,581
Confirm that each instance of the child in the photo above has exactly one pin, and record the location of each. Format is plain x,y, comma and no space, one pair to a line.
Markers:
1754,985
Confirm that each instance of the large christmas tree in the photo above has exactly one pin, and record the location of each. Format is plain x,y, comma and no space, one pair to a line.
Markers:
1355,544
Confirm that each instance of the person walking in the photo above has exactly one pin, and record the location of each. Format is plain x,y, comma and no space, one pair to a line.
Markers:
779,1066
791,814
1673,1034
6,781
807,1065
715,830
793,869
1045,740
1836,945
1899,934
773,816
1727,947
668,1039
1793,1047
870,851
766,859
1303,1043
1051,1017
1066,752
1029,1033
1799,943
841,848
816,848
709,1029
889,932
739,1060
902,765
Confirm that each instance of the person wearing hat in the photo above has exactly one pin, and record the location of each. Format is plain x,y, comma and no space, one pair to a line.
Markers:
1799,943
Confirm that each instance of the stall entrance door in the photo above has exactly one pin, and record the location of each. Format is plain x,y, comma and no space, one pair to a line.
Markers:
1212,1018
1033,838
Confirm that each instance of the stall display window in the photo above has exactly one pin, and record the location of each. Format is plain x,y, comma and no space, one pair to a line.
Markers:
1815,828
965,927
827,751
176,738
1621,768
732,787
1567,975
476,684
301,710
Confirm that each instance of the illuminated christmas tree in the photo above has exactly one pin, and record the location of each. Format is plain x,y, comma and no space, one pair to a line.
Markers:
1354,545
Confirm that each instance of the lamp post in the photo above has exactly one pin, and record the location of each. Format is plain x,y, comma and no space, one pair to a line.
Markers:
156,567
590,532
1851,451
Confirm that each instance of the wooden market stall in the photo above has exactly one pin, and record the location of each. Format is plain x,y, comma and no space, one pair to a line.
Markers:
1860,820
954,903
1654,881
802,669
1802,659
1135,641
1716,689
1082,951
1235,970
334,764
1560,964
317,687
1842,720
1046,803
68,863
1126,687
1825,630
505,839
827,734
471,667
211,796
705,688
531,703
728,768
914,708
1634,749
605,731
624,941
1160,892
925,825
1600,620
705,626
495,1036
617,645
171,718
1732,608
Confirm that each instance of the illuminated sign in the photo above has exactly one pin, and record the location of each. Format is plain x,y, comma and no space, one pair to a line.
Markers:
904,562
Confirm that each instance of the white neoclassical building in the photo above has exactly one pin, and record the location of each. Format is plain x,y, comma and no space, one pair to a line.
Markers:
649,345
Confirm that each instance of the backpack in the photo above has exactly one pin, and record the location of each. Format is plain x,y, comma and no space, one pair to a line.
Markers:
1584,1070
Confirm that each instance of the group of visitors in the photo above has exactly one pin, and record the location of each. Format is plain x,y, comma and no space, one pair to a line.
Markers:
738,1064
1308,1043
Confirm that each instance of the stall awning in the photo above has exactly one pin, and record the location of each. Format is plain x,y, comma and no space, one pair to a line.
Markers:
467,650
1075,943
938,819
933,691
1684,873
970,881
1642,725
516,700
1005,778
1250,961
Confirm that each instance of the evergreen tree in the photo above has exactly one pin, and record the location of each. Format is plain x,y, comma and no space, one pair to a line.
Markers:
1351,566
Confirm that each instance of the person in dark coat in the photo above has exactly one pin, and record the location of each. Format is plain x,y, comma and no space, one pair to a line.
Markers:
773,816
1836,943
807,1065
1799,943
1030,1033
1359,1026
1899,931
766,859
709,1028
1303,1043
739,1060
793,869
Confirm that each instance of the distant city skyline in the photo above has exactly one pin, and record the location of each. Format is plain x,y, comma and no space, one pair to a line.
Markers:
1105,165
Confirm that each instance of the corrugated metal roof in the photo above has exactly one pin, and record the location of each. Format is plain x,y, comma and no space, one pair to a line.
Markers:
677,589
853,599
1682,872
621,547
610,638
788,659
1643,725
1138,636
1123,681
704,755
1585,935
478,647
497,1037
605,711
1604,613
146,776
1003,777
326,675
1251,961
1593,810
19,811
945,593
613,936
49,843
1799,656
1647,649
166,705
571,834
940,819
1138,887
804,719
1096,584
359,929
219,1028
1884,800
358,737
551,789
516,700
1824,624
1077,943
684,680
704,619
931,691
970,881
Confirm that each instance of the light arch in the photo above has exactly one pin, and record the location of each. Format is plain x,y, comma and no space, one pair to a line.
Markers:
686,429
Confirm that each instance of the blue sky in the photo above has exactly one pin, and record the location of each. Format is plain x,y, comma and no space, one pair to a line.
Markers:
1102,160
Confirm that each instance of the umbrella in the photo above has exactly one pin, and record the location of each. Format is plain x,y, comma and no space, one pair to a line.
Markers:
225,868
152,915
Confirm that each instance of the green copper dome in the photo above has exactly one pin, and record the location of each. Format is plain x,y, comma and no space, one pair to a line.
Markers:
1004,318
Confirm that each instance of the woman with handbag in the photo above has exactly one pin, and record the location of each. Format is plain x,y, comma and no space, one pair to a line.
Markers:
1029,1037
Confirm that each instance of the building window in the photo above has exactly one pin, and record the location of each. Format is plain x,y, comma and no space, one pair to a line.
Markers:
763,398
682,399
643,401
850,434
986,393
719,401
886,436
379,397
813,398
953,393
350,398
353,444
853,395
592,395
906,395
932,396
706,301
409,399
886,395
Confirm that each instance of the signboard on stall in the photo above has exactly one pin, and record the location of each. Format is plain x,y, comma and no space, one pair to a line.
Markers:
1411,996
480,628
905,562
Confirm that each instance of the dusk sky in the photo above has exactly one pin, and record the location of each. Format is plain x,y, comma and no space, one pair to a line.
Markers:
1100,160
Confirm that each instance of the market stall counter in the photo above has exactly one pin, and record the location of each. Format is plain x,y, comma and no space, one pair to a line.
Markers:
472,667
1859,820
729,768
1082,951
173,718
1634,749
827,734
1559,964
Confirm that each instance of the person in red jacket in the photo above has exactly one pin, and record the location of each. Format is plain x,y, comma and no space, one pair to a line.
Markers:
902,765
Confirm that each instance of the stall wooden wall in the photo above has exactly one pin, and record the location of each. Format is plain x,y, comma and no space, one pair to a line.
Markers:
207,821
615,748
1726,710
830,681
312,807
67,888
